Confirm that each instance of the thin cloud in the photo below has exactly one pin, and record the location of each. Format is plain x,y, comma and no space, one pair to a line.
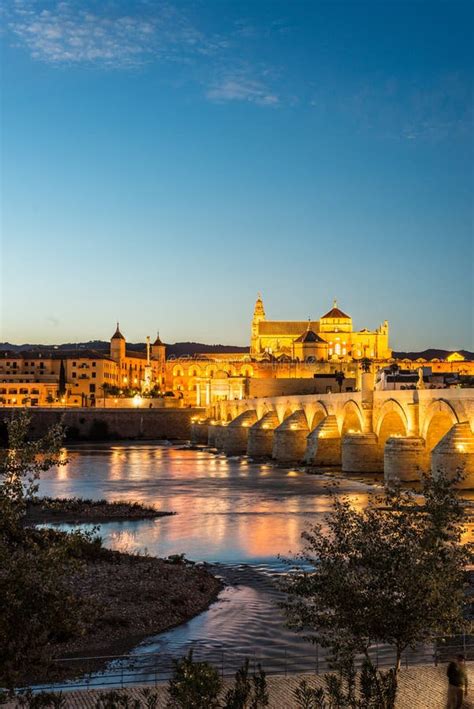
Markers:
70,33
73,32
236,87
412,111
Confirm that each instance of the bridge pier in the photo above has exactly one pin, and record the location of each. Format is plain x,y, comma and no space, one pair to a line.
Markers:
211,434
236,435
361,453
220,435
323,445
289,440
199,432
405,459
260,441
455,452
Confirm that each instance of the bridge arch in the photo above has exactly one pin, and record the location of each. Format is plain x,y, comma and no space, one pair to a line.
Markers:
439,418
392,421
316,414
351,419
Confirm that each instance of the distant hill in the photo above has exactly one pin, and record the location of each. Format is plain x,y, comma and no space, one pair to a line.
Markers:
432,354
178,349
190,348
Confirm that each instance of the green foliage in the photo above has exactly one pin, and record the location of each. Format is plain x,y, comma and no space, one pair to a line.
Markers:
339,376
39,604
248,692
194,685
366,364
21,464
307,697
391,573
62,379
40,700
370,689
116,698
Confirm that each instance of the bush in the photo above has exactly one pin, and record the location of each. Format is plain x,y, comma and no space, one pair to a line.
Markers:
39,605
247,692
194,685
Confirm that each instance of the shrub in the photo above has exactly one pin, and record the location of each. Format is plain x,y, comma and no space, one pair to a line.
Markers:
194,685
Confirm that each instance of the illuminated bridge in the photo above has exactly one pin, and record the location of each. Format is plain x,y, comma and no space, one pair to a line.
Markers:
401,433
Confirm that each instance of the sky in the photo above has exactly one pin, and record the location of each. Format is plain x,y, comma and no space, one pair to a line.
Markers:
162,162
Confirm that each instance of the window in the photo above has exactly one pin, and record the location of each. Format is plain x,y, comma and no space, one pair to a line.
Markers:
93,375
73,364
92,388
74,374
93,364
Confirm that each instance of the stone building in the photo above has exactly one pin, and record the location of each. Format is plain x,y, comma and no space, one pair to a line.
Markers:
332,337
79,377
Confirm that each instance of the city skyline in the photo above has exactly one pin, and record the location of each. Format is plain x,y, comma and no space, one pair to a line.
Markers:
164,162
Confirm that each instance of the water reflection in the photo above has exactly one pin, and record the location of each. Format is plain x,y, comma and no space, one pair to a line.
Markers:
232,512
228,509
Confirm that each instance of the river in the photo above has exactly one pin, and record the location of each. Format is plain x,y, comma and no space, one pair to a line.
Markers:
236,514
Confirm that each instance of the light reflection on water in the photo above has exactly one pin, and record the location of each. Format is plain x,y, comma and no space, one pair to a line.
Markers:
228,510
232,512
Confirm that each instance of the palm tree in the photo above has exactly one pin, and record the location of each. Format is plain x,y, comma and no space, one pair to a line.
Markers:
105,388
339,377
366,364
394,368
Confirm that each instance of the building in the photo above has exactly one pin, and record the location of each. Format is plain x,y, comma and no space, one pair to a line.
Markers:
284,358
331,338
80,377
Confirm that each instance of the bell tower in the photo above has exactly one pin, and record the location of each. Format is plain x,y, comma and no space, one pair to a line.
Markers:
158,355
117,346
258,317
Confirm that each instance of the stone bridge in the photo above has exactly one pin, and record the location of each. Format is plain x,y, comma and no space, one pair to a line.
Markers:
400,433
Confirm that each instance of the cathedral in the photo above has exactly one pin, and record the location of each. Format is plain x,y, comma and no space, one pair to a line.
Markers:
332,337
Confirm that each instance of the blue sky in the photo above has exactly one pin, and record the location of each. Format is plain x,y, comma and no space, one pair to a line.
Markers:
162,162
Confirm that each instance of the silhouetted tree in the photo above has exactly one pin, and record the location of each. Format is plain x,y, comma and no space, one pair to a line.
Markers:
392,573
62,380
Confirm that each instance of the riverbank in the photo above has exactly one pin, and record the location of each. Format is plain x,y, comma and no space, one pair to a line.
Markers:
77,510
131,598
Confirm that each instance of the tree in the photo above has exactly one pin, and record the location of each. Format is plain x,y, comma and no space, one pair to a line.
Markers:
366,364
39,606
394,368
247,692
339,377
392,573
105,390
194,685
62,380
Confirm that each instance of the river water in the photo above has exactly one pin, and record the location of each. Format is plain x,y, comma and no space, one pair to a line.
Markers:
236,514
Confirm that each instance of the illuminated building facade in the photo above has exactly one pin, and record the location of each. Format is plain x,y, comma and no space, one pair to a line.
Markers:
332,337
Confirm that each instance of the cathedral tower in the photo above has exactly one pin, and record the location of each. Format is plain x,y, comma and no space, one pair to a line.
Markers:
258,317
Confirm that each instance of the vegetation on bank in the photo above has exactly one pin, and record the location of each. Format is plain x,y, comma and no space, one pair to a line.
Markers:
394,573
64,593
78,510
